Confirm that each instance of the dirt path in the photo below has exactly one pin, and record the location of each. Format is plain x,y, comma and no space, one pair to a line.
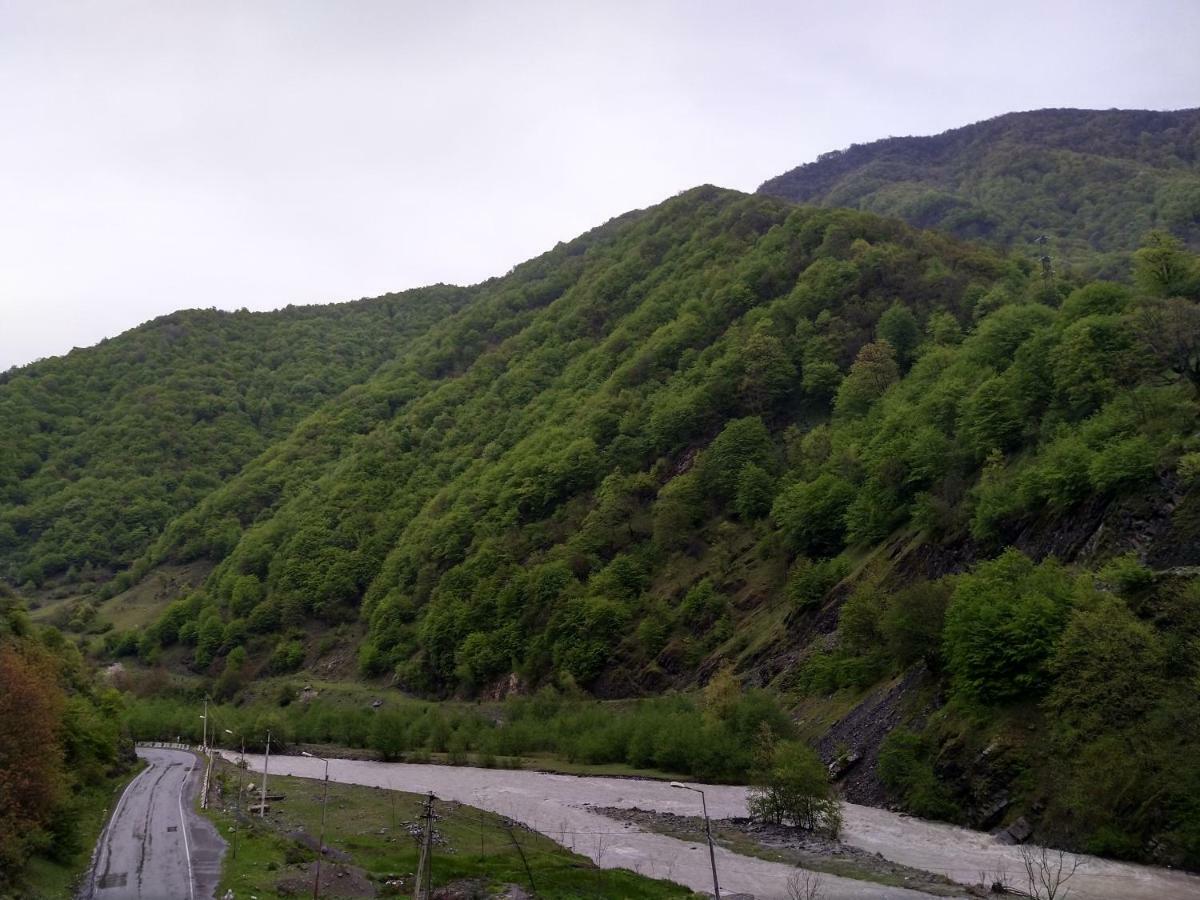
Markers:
556,806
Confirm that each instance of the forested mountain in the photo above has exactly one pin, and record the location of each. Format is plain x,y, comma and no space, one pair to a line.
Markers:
102,447
794,440
841,456
505,499
1092,182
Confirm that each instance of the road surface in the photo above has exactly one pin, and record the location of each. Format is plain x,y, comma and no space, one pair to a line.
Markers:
557,805
155,846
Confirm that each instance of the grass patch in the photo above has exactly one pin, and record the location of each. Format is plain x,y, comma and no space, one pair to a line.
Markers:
143,603
370,832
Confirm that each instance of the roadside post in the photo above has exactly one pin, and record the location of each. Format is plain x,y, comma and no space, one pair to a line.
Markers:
321,837
262,809
237,824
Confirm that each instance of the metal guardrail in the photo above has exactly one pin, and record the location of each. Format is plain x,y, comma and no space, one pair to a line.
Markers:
175,745
204,788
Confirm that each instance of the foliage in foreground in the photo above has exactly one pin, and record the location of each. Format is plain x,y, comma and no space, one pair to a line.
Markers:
59,746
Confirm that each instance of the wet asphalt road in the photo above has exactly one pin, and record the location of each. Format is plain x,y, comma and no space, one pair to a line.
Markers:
155,846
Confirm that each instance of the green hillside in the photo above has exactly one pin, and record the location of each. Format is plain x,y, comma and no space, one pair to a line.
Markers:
1092,182
793,440
505,501
104,446
926,493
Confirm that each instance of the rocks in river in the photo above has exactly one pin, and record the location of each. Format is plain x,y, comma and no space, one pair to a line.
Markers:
1017,833
989,813
843,764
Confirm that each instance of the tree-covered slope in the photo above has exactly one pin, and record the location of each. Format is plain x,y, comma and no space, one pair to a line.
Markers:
104,446
1091,181
488,504
794,440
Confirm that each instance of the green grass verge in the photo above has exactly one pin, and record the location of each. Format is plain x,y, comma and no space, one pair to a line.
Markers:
371,827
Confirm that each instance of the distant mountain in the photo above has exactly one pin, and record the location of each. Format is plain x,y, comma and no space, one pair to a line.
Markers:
1092,181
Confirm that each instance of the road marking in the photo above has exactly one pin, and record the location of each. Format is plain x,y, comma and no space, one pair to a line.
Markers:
104,834
183,823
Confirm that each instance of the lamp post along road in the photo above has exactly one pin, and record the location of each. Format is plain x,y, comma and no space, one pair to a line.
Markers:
204,739
712,855
237,823
321,837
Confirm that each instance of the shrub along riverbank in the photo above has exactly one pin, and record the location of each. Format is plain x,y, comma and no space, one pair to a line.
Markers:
709,737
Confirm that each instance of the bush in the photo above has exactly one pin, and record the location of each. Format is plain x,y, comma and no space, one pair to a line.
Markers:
912,621
677,511
858,622
1122,463
795,791
1188,468
389,734
287,657
1108,668
755,492
1001,625
743,442
811,515
1126,574
810,581
905,768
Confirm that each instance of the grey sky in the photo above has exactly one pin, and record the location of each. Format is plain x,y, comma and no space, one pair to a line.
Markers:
157,155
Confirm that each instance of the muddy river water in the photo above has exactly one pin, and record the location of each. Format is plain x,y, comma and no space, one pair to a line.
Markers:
558,806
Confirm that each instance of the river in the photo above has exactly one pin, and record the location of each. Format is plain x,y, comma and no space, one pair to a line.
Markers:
557,806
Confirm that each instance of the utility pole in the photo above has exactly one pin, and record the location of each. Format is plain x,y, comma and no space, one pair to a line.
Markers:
241,783
262,810
425,863
321,838
204,741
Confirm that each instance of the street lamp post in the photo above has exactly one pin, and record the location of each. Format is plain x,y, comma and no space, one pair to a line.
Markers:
321,837
237,825
204,739
712,855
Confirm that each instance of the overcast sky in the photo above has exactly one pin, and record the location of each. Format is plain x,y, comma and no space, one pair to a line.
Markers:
157,155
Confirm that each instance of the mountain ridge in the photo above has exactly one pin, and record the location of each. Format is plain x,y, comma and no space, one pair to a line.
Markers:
1012,178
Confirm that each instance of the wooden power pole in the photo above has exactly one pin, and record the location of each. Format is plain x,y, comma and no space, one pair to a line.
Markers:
425,864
